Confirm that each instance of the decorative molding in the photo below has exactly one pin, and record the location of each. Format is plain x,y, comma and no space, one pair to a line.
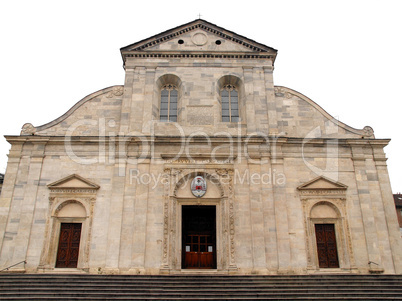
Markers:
280,91
199,158
200,55
165,254
312,192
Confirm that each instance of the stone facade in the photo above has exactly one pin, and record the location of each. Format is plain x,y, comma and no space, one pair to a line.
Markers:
273,178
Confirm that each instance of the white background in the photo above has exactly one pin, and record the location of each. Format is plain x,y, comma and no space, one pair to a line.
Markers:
344,55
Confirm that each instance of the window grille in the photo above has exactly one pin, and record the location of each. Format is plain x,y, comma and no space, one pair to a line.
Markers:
168,108
230,104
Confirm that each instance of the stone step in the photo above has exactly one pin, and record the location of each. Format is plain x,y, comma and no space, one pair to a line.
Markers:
232,291
179,296
199,285
33,298
189,279
129,287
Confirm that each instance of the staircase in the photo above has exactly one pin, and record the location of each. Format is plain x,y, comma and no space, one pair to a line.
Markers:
126,287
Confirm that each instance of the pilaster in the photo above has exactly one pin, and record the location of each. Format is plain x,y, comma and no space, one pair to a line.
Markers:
366,207
128,214
256,216
148,95
7,192
260,100
126,103
271,104
388,205
140,215
281,211
250,105
267,198
116,211
138,100
26,226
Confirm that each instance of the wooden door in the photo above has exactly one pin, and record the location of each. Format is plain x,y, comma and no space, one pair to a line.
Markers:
69,244
199,237
326,246
199,253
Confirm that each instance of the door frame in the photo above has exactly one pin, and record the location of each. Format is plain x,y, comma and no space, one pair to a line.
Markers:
177,193
219,246
214,234
58,245
336,244
52,232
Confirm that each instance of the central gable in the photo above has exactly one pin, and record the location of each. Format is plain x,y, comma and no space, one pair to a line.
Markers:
198,36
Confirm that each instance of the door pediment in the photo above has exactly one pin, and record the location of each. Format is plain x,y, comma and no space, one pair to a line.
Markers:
73,181
322,186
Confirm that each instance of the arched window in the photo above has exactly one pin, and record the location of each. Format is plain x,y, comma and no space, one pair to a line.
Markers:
230,104
168,107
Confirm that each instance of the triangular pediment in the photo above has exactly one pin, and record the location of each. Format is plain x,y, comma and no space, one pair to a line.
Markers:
322,183
73,181
198,36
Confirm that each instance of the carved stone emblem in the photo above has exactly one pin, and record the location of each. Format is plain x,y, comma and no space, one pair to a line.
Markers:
116,91
198,186
199,38
28,129
368,132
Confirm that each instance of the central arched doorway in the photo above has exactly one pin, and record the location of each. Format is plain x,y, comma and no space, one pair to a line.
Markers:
198,237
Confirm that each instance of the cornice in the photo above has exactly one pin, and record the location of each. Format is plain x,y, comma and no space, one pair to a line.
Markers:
253,139
203,55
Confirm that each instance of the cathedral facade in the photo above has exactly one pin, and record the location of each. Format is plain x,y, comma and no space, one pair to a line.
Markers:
198,164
